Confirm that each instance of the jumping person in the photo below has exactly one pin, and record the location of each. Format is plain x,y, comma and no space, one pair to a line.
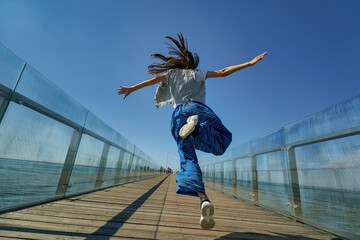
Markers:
194,125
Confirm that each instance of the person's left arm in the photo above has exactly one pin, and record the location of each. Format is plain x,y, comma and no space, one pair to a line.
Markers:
127,90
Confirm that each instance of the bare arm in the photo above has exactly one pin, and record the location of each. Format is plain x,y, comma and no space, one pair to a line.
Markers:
127,90
230,70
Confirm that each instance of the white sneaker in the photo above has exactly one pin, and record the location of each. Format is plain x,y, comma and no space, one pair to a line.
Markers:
189,127
206,219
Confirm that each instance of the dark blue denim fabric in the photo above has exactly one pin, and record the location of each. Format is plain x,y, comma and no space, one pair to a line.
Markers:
210,136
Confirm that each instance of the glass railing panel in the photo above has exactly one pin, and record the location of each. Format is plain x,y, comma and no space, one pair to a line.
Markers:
141,153
205,158
123,142
209,175
241,150
209,178
116,138
122,177
268,142
153,165
10,67
339,117
213,175
98,126
133,169
126,166
219,173
86,165
225,156
127,162
139,169
138,152
39,89
130,147
244,179
143,168
132,161
111,167
330,183
146,169
273,183
205,176
33,149
228,180
153,169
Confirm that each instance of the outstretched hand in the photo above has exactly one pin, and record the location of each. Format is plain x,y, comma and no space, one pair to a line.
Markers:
124,90
258,58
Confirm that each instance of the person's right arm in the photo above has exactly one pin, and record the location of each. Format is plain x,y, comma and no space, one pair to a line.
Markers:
230,70
127,90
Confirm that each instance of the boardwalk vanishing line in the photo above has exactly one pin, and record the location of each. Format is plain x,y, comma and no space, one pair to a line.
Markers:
162,208
126,213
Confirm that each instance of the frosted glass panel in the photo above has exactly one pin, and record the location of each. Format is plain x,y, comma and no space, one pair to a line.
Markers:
273,183
33,148
336,118
228,171
243,180
267,142
86,165
10,67
39,89
111,167
118,139
98,126
330,183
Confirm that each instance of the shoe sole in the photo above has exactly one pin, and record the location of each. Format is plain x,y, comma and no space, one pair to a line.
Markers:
189,127
207,221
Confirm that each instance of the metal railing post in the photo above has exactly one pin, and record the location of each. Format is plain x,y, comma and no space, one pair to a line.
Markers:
129,166
4,104
69,163
207,173
293,182
102,165
234,177
213,175
254,179
204,173
137,167
119,166
8,96
222,182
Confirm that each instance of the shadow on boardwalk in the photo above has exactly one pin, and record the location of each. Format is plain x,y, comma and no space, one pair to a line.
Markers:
125,214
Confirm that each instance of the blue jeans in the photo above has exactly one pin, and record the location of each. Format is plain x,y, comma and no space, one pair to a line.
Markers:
210,136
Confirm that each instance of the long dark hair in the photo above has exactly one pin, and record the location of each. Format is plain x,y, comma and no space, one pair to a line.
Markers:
182,57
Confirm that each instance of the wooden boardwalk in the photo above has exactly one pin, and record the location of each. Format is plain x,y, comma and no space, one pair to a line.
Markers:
149,209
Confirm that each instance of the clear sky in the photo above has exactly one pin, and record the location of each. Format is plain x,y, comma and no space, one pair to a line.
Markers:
89,47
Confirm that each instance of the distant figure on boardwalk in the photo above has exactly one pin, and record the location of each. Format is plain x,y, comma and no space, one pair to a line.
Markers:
194,125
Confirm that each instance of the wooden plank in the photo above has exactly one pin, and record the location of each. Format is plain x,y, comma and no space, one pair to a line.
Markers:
167,216
25,235
120,213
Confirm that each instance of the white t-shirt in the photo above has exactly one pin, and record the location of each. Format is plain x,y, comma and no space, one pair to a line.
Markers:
200,75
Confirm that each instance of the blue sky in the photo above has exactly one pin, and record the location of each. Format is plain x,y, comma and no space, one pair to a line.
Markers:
88,48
